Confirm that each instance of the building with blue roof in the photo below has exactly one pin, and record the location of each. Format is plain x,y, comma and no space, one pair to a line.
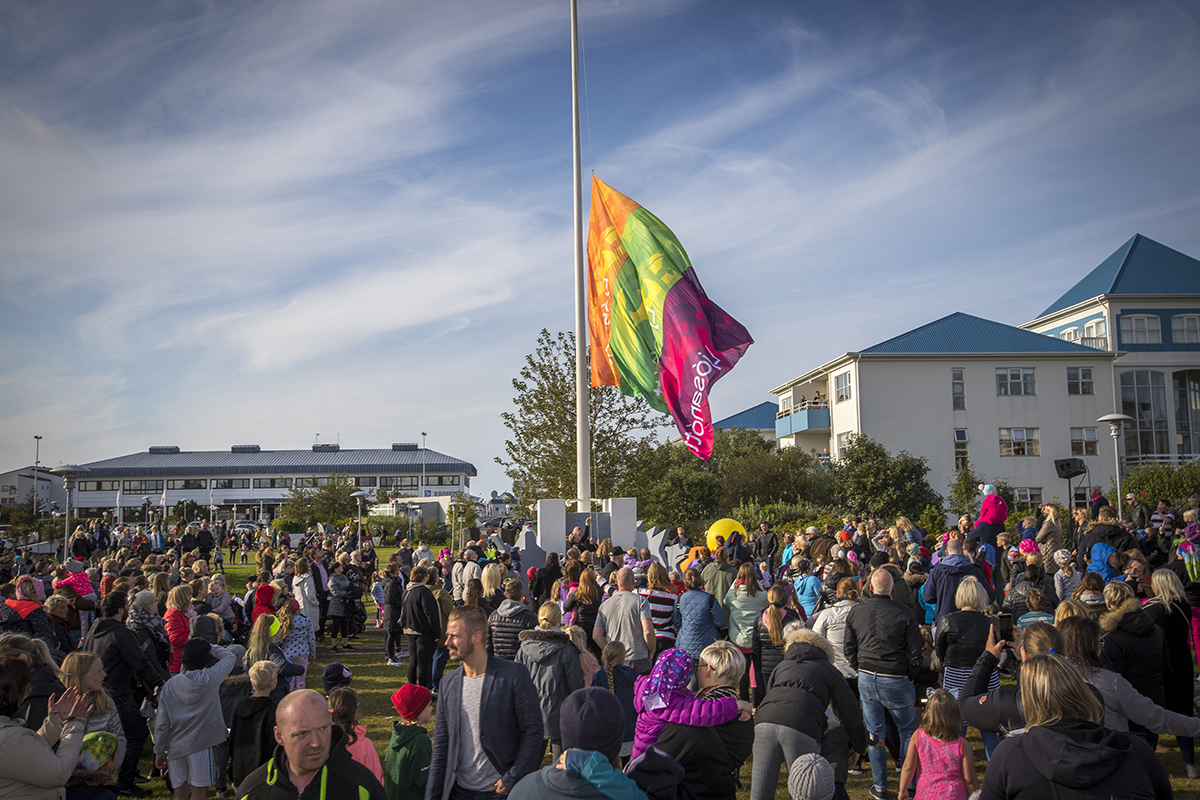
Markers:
1143,303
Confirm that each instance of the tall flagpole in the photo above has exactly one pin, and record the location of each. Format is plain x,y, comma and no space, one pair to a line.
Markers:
583,461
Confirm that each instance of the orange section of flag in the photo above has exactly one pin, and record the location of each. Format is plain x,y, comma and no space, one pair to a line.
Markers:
605,255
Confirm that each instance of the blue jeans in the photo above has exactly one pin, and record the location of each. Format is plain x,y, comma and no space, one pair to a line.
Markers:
459,793
898,696
136,734
440,658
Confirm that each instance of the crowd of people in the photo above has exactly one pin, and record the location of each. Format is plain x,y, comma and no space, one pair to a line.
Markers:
829,652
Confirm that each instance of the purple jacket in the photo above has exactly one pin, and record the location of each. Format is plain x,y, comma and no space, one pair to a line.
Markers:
682,707
632,561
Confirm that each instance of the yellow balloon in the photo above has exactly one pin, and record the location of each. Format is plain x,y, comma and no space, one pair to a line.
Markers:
723,528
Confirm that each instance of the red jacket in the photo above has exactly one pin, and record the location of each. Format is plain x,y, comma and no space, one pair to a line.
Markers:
264,597
178,628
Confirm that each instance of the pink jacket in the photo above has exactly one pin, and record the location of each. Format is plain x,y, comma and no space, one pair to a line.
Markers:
994,510
683,708
365,753
79,581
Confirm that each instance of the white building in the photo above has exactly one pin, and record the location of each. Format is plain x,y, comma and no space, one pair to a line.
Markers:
1007,399
17,486
247,481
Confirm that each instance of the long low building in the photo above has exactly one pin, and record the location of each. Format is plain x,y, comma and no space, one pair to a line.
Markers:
248,481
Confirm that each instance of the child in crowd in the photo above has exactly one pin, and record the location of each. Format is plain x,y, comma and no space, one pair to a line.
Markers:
939,758
339,590
663,696
219,559
377,596
245,547
410,751
810,777
1191,533
252,735
343,708
93,775
618,679
587,661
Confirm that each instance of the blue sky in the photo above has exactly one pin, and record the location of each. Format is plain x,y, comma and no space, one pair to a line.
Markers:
253,222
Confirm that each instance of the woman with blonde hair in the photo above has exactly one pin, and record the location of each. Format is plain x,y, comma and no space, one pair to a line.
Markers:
305,589
587,661
553,662
583,603
264,646
298,639
1170,611
1049,537
1063,717
178,622
493,586
84,672
661,596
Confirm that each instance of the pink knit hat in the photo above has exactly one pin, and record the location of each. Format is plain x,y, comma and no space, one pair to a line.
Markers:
1028,546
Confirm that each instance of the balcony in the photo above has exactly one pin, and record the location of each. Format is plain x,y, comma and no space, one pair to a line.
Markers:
813,417
1098,342
1133,462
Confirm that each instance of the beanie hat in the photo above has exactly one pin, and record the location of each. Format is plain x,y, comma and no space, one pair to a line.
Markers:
410,700
97,749
531,573
592,719
1028,546
987,488
335,675
195,653
73,566
1062,557
810,777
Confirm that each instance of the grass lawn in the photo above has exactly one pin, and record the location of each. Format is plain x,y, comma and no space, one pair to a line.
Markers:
375,682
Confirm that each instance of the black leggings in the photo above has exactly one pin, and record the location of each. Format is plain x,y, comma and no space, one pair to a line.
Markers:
420,659
338,626
393,642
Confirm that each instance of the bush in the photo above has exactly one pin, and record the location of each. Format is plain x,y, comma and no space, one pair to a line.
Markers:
1154,482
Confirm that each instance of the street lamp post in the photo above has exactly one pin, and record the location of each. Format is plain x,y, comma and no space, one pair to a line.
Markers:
69,474
1115,423
360,494
422,492
37,460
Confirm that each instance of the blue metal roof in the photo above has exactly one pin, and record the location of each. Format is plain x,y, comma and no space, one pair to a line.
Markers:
963,333
271,462
1140,266
760,417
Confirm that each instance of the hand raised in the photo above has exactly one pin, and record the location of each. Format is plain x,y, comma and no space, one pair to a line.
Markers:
61,706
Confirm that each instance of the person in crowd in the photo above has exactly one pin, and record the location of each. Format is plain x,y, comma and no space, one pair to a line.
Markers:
178,623
542,586
553,664
999,709
31,767
493,586
768,545
297,639
84,672
1016,598
304,589
58,609
24,614
125,667
939,762
343,710
807,586
264,646
583,603
1103,531
1065,748
339,607
718,575
767,641
883,644
1137,513
508,621
310,751
406,765
711,755
45,682
420,619
746,602
698,616
943,580
625,617
189,723
831,624
1066,576
587,662
252,734
661,596
392,606
619,678
1133,645
1049,536
962,637
469,755
791,720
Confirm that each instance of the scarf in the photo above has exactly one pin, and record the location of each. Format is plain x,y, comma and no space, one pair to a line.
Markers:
145,619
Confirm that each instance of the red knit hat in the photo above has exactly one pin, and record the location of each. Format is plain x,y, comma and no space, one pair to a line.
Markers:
410,700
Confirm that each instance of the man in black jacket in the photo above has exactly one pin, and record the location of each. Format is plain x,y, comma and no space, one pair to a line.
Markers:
883,643
506,622
421,619
768,545
482,760
124,665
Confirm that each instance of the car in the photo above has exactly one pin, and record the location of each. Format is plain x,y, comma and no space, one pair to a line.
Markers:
247,524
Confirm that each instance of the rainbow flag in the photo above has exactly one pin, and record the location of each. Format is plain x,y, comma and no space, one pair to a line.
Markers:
654,333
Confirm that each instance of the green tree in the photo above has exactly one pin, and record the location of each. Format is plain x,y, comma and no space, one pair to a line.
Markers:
963,491
333,502
873,482
540,451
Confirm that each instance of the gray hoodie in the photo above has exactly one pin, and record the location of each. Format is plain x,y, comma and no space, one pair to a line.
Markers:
1123,703
189,709
553,663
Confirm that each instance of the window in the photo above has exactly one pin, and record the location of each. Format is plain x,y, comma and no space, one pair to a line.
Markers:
1081,499
231,483
322,481
402,482
1079,380
1141,330
305,483
785,406
1083,441
960,449
958,389
143,486
272,483
843,442
1015,381
362,482
1095,329
1019,442
841,387
95,486
442,480
199,483
1027,497
1069,335
1144,397
1185,329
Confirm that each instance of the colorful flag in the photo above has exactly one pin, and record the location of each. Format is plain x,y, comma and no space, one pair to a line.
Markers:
654,333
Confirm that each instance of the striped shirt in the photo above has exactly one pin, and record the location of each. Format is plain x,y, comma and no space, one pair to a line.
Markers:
662,612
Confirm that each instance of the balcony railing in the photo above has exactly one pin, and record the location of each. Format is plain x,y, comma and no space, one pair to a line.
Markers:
1133,462
1098,342
805,406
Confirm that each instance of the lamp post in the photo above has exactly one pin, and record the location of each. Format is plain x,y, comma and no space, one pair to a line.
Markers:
146,510
360,494
37,460
1115,423
422,492
69,473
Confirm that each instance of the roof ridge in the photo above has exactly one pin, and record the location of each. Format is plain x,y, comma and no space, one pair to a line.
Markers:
918,328
1133,243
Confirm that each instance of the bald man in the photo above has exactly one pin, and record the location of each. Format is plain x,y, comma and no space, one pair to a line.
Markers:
882,641
311,759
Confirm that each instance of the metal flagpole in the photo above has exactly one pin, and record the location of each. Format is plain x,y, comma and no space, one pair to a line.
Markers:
583,461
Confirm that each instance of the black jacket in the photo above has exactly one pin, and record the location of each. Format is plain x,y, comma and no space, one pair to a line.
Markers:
994,711
766,654
800,689
393,604
505,626
421,612
1191,589
341,776
543,583
1175,623
710,757
251,737
1084,758
962,636
122,657
1113,535
1133,645
43,685
768,544
882,636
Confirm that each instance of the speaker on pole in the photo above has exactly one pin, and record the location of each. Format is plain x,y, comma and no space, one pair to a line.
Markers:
1069,467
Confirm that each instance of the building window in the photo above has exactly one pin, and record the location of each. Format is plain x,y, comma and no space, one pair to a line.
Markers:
841,387
143,486
1083,441
1019,442
95,486
402,482
1081,499
364,482
843,441
1015,381
1144,397
305,483
1096,329
1069,335
1028,496
1185,329
442,480
785,405
958,390
272,483
960,449
1079,380
231,483
199,483
1141,330
322,481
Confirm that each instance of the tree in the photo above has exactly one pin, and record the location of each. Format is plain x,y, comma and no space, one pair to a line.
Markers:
963,490
873,482
540,453
332,502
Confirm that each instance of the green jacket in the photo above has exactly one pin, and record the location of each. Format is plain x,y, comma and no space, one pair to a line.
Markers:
406,767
